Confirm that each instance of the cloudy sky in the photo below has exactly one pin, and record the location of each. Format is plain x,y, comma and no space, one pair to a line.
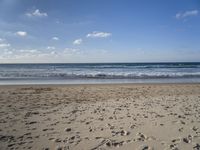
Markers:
37,31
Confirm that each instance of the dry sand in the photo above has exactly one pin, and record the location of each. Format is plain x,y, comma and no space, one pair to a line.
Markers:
89,117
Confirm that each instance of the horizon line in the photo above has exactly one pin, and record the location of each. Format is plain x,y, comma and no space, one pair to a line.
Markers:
99,62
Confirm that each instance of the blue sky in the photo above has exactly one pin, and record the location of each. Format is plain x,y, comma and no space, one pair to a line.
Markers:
38,31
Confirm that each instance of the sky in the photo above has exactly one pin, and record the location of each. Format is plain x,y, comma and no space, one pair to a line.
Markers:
86,31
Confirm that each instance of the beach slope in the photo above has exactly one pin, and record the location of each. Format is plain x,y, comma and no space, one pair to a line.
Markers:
123,116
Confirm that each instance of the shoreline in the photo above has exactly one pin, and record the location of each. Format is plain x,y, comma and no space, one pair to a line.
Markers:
96,84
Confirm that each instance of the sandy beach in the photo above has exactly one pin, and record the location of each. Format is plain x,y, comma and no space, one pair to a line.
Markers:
89,117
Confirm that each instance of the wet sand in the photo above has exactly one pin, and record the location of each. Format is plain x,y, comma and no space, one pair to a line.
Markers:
89,117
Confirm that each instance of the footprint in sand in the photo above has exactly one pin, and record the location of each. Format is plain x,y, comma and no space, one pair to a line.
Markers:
176,140
141,137
187,139
196,147
145,147
112,143
122,133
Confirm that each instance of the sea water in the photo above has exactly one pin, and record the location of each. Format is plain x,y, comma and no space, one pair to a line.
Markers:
88,73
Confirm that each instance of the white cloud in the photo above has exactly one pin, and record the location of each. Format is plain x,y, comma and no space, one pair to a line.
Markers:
21,33
53,53
51,47
28,54
19,54
55,38
96,34
36,13
71,51
28,50
187,14
77,41
8,52
1,40
4,45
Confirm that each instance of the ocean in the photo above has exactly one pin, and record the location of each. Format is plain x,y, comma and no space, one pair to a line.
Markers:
89,73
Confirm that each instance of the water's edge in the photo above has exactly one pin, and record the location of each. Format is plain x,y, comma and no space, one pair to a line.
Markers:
100,73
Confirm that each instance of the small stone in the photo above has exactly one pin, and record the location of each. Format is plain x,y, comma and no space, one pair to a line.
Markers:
58,140
32,122
59,148
72,138
144,147
185,140
108,144
196,147
68,129
194,128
